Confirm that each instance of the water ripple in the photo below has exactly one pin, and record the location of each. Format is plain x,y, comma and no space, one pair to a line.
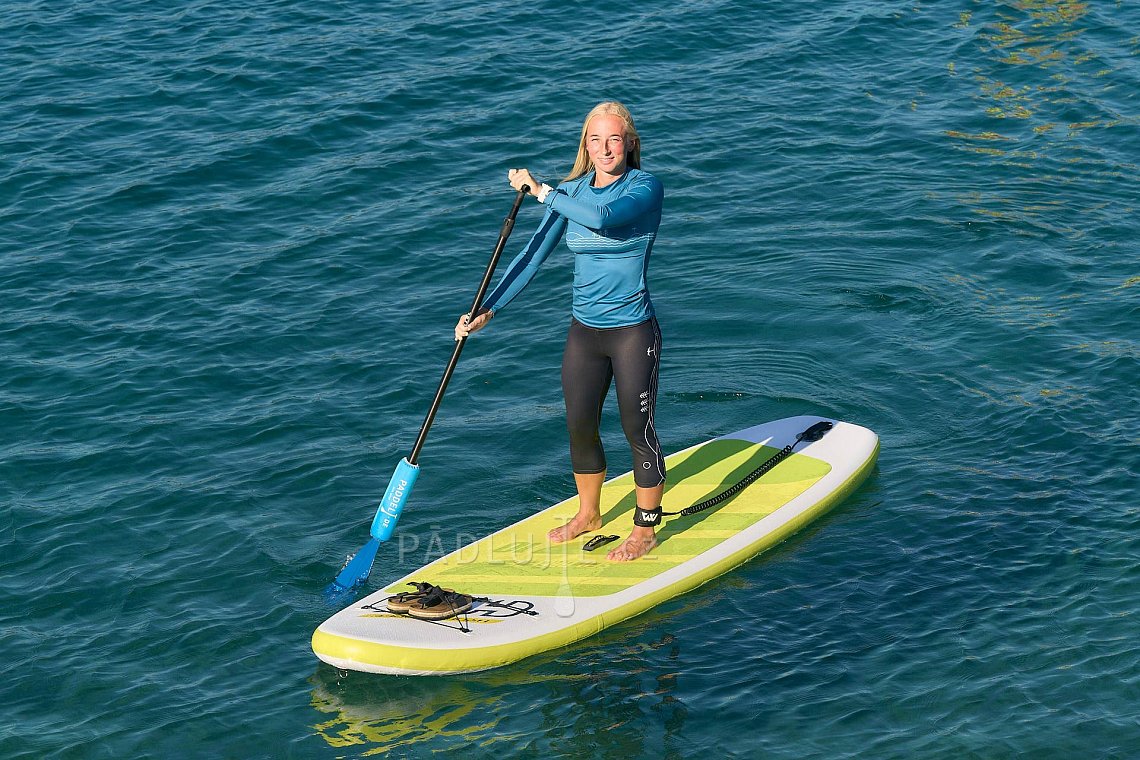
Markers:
237,237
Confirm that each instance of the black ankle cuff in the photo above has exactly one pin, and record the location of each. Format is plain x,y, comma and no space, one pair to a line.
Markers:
647,518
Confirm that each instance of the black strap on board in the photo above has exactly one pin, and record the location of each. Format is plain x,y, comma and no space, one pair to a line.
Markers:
597,541
812,434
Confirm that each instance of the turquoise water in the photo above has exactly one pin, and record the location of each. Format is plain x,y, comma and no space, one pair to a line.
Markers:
236,237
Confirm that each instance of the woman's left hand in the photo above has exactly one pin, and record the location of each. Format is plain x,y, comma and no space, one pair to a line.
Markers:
465,326
520,177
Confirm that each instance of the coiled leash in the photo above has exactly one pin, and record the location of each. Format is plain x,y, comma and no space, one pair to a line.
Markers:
651,518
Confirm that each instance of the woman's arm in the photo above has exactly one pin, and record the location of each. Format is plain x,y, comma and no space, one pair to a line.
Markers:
643,195
518,275
524,266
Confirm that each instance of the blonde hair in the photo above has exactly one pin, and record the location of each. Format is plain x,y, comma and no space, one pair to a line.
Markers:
583,164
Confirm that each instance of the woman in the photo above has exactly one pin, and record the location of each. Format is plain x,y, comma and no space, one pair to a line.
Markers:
609,211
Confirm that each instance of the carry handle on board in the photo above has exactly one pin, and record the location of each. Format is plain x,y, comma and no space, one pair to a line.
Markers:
356,570
811,435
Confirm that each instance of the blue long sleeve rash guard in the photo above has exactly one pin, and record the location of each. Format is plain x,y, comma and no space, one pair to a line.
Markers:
611,231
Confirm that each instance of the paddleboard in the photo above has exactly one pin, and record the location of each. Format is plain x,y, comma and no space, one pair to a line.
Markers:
534,596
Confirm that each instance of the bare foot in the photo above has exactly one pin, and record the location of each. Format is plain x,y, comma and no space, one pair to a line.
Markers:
640,542
577,526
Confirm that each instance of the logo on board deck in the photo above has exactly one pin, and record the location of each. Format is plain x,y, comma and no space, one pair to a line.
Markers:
500,609
491,610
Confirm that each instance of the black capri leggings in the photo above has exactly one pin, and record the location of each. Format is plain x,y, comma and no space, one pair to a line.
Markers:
593,358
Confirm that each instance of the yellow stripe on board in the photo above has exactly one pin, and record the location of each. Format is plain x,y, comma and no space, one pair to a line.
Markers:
520,559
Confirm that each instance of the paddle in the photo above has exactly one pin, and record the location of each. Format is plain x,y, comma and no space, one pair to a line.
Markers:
356,570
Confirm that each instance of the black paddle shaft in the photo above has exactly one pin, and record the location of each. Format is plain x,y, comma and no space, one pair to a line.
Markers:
504,233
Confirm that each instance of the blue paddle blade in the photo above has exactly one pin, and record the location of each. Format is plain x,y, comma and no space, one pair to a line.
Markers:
357,568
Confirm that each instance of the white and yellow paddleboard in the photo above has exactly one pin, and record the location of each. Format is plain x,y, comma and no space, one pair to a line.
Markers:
539,596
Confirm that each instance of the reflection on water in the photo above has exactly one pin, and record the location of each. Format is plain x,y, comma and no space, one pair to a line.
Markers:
378,719
570,703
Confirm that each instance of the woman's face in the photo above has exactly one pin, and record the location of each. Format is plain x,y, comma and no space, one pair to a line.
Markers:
607,145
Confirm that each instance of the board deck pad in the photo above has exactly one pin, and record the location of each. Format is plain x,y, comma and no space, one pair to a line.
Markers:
520,559
537,596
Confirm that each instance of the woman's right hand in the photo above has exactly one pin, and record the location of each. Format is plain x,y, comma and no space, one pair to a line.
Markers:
465,326
520,178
